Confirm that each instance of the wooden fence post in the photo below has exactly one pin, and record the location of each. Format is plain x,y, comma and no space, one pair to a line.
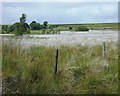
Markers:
56,62
104,53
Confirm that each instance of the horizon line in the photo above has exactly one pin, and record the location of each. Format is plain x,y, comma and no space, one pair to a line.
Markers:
72,23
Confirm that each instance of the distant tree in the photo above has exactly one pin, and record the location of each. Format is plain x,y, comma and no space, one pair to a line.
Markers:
33,22
11,28
4,28
25,28
42,27
20,28
34,25
45,23
37,26
23,18
70,28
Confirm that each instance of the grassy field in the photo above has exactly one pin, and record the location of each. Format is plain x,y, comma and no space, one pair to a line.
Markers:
45,31
80,70
65,27
94,26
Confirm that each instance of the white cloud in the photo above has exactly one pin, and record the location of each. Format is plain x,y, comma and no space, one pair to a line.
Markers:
61,12
95,12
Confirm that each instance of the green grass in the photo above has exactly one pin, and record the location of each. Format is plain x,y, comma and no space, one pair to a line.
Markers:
94,26
80,70
65,27
45,31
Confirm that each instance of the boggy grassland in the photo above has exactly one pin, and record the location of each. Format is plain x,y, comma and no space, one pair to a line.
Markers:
80,70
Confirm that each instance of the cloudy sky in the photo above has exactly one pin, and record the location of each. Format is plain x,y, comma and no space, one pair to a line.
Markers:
60,12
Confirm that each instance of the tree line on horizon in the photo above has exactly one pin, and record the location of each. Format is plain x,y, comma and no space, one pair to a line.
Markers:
20,28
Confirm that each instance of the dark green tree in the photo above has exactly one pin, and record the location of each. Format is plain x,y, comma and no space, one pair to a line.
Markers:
37,26
4,28
23,18
70,28
42,27
34,25
45,23
33,22
20,28
11,28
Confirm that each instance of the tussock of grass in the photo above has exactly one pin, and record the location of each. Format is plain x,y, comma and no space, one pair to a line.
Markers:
80,70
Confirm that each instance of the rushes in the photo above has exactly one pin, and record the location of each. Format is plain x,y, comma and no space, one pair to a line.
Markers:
80,70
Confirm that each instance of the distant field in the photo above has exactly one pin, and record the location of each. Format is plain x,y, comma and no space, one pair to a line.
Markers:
65,27
95,26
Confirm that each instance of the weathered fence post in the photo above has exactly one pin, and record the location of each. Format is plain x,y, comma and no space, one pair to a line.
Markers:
56,62
104,53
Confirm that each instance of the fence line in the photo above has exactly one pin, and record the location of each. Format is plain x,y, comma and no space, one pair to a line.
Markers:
56,62
56,59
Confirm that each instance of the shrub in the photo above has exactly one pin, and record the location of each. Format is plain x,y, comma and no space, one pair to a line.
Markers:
20,28
11,28
52,26
82,28
34,25
42,27
70,28
45,23
4,28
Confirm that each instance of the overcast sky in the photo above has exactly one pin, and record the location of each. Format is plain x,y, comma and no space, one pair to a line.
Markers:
60,12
